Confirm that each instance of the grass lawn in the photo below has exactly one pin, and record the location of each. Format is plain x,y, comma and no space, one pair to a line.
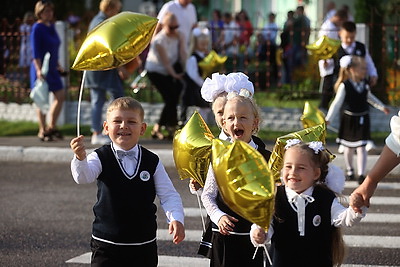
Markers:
23,128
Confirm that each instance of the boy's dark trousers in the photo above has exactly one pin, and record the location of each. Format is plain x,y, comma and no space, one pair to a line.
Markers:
109,255
326,91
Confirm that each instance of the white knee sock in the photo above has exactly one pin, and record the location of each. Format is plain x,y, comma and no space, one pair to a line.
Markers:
361,160
348,159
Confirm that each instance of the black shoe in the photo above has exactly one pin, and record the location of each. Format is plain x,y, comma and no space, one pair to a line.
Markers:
361,179
350,177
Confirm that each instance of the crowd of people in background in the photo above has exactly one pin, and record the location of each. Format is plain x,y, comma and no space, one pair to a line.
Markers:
279,50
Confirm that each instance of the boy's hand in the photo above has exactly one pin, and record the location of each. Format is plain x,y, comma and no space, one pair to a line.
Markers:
258,235
225,224
386,110
373,80
78,147
177,230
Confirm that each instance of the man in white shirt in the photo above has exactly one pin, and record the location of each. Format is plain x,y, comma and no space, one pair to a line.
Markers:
329,28
186,14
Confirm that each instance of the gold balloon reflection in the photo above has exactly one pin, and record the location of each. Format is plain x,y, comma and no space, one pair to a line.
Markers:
244,180
115,41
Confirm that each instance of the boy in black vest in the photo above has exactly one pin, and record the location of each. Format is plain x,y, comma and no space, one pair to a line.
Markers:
349,46
129,177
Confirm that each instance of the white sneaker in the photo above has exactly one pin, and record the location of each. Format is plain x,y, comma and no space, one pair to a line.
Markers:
100,139
370,145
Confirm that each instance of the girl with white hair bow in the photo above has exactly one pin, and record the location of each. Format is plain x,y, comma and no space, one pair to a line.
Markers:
354,95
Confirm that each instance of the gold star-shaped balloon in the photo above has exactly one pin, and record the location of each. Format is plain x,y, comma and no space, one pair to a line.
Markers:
312,116
324,47
275,163
212,63
244,180
115,41
192,149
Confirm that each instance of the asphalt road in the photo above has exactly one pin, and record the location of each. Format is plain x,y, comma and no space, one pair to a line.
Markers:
46,221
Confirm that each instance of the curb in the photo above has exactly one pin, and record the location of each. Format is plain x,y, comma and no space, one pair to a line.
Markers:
63,155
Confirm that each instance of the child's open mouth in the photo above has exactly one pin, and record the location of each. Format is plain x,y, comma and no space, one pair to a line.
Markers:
238,132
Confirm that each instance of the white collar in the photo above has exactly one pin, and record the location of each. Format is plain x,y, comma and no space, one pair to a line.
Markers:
298,202
116,147
351,46
251,143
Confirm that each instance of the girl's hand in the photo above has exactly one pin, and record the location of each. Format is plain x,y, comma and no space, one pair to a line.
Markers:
258,235
78,147
225,224
356,202
194,185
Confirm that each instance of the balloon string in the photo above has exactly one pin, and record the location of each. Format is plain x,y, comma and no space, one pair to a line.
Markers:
78,116
264,254
201,211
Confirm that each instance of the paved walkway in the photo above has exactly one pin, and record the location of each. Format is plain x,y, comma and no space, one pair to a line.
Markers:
31,149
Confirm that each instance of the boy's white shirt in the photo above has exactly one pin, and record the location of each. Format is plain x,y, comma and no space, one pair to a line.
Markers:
340,215
87,171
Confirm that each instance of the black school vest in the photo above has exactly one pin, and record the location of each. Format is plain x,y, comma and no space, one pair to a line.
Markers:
359,50
289,248
125,210
354,101
243,225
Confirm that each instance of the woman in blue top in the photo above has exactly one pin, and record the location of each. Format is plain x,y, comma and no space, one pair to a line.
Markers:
44,39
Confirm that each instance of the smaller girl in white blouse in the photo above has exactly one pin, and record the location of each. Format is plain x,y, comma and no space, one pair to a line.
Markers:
352,100
194,77
231,244
305,226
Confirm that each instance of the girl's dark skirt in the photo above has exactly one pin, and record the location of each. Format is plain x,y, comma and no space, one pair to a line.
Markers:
234,250
354,130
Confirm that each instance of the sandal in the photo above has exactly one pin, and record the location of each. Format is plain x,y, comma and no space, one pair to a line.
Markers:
56,133
45,137
157,135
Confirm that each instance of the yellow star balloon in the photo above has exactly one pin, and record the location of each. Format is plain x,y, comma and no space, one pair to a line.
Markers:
212,63
115,41
244,180
324,47
312,116
192,149
315,133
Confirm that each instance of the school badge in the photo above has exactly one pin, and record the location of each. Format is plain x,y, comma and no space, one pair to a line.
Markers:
316,220
144,176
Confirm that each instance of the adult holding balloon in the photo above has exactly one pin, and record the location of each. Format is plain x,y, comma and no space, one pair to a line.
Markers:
101,82
165,61
44,39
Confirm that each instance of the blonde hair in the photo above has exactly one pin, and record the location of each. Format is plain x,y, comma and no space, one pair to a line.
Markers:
321,160
222,97
126,103
106,4
41,5
255,109
344,71
168,17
